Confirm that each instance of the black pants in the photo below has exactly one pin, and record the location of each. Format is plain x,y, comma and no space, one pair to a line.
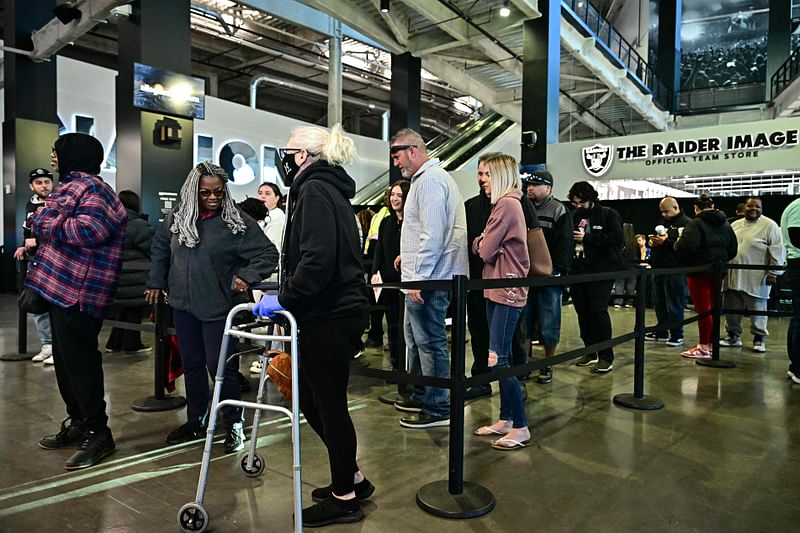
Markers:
375,332
199,342
79,365
392,299
126,340
325,350
478,332
591,305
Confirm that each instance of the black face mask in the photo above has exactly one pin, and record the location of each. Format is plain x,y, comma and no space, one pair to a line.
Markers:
290,168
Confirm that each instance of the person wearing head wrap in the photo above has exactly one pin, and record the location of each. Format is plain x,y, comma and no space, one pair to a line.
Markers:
80,230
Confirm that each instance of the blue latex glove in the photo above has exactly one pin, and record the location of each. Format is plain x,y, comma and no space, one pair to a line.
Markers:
267,306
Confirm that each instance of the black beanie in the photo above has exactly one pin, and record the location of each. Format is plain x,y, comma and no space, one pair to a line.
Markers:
78,152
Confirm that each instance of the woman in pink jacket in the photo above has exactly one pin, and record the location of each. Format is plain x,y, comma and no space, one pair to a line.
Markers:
503,248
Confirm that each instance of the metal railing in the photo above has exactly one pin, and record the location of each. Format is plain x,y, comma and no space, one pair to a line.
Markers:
715,98
785,74
619,50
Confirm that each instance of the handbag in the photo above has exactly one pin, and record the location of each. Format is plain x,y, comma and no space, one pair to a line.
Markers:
279,371
539,254
31,302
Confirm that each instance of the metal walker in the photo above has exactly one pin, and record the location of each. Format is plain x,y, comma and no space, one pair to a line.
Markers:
193,517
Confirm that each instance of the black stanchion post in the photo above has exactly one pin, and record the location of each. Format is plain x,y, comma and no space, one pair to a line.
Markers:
159,401
456,498
638,400
402,393
716,313
22,353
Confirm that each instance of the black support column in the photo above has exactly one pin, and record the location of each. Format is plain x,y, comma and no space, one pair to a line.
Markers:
30,124
540,81
778,39
668,67
404,111
157,34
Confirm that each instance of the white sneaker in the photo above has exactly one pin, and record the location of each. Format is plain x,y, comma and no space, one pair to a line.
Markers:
47,351
49,361
759,347
257,367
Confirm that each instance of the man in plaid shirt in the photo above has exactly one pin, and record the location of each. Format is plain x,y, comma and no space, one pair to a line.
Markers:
81,229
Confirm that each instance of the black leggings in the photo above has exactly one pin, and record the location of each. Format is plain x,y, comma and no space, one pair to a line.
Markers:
326,347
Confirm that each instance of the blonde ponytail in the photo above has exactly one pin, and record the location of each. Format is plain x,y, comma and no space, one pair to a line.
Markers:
333,146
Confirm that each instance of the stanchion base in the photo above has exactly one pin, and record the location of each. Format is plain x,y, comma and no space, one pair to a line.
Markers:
393,397
715,364
16,356
151,404
645,403
435,498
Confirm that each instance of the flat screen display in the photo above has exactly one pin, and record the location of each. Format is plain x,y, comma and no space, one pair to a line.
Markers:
162,91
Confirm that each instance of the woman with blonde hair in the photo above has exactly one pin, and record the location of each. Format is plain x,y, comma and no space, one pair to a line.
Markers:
323,286
503,248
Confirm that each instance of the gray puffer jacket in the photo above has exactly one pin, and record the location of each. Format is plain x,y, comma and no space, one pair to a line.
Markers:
200,279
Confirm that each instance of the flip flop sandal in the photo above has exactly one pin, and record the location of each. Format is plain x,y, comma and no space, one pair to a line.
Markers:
506,444
487,431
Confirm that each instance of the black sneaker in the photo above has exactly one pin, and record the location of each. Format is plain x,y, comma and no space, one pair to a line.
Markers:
603,367
408,406
587,360
364,490
654,337
234,438
186,433
423,420
332,511
95,447
477,391
545,376
68,436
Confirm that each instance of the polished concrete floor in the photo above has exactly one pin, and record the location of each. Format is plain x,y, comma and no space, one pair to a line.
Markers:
723,455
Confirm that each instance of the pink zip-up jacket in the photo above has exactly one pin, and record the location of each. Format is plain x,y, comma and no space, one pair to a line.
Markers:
503,247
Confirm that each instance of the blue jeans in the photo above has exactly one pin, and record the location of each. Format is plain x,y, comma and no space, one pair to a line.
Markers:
544,306
426,341
43,328
793,335
502,323
669,299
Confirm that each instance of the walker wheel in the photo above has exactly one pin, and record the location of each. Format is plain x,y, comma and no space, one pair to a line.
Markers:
192,517
256,470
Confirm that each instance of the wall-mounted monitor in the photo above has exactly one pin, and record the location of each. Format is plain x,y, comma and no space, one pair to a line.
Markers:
162,91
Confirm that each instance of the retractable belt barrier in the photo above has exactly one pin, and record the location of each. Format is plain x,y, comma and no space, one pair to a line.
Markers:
457,498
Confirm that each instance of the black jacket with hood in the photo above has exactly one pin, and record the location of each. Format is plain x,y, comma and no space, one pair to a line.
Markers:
664,256
707,238
603,241
322,275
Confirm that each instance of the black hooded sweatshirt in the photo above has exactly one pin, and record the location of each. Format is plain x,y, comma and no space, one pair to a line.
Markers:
707,238
322,275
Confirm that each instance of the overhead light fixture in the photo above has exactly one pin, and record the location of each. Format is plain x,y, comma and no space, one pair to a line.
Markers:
505,10
384,6
66,12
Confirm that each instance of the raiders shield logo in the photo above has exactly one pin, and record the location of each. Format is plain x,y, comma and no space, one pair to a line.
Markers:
597,159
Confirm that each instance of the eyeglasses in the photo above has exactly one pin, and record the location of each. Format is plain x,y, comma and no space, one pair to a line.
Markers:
205,193
400,147
283,152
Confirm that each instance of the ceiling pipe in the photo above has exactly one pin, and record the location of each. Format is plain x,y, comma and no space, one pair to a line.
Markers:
255,81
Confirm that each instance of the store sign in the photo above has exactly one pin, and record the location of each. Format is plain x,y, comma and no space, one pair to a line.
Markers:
765,146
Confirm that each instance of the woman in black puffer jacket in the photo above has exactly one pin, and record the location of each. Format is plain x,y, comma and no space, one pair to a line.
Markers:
129,302
707,239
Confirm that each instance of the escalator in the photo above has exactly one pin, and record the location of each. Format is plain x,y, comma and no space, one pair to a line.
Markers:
470,139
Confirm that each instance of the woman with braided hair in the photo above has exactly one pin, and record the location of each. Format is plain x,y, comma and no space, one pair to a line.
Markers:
204,256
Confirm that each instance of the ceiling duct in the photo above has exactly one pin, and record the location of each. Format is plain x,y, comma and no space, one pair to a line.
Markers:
55,35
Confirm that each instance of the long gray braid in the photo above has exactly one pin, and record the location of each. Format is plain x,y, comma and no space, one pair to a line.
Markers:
184,223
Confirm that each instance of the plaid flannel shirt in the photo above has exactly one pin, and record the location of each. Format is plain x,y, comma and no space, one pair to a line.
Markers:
81,230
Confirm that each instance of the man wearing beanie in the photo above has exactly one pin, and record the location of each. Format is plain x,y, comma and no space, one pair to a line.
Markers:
81,229
40,181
